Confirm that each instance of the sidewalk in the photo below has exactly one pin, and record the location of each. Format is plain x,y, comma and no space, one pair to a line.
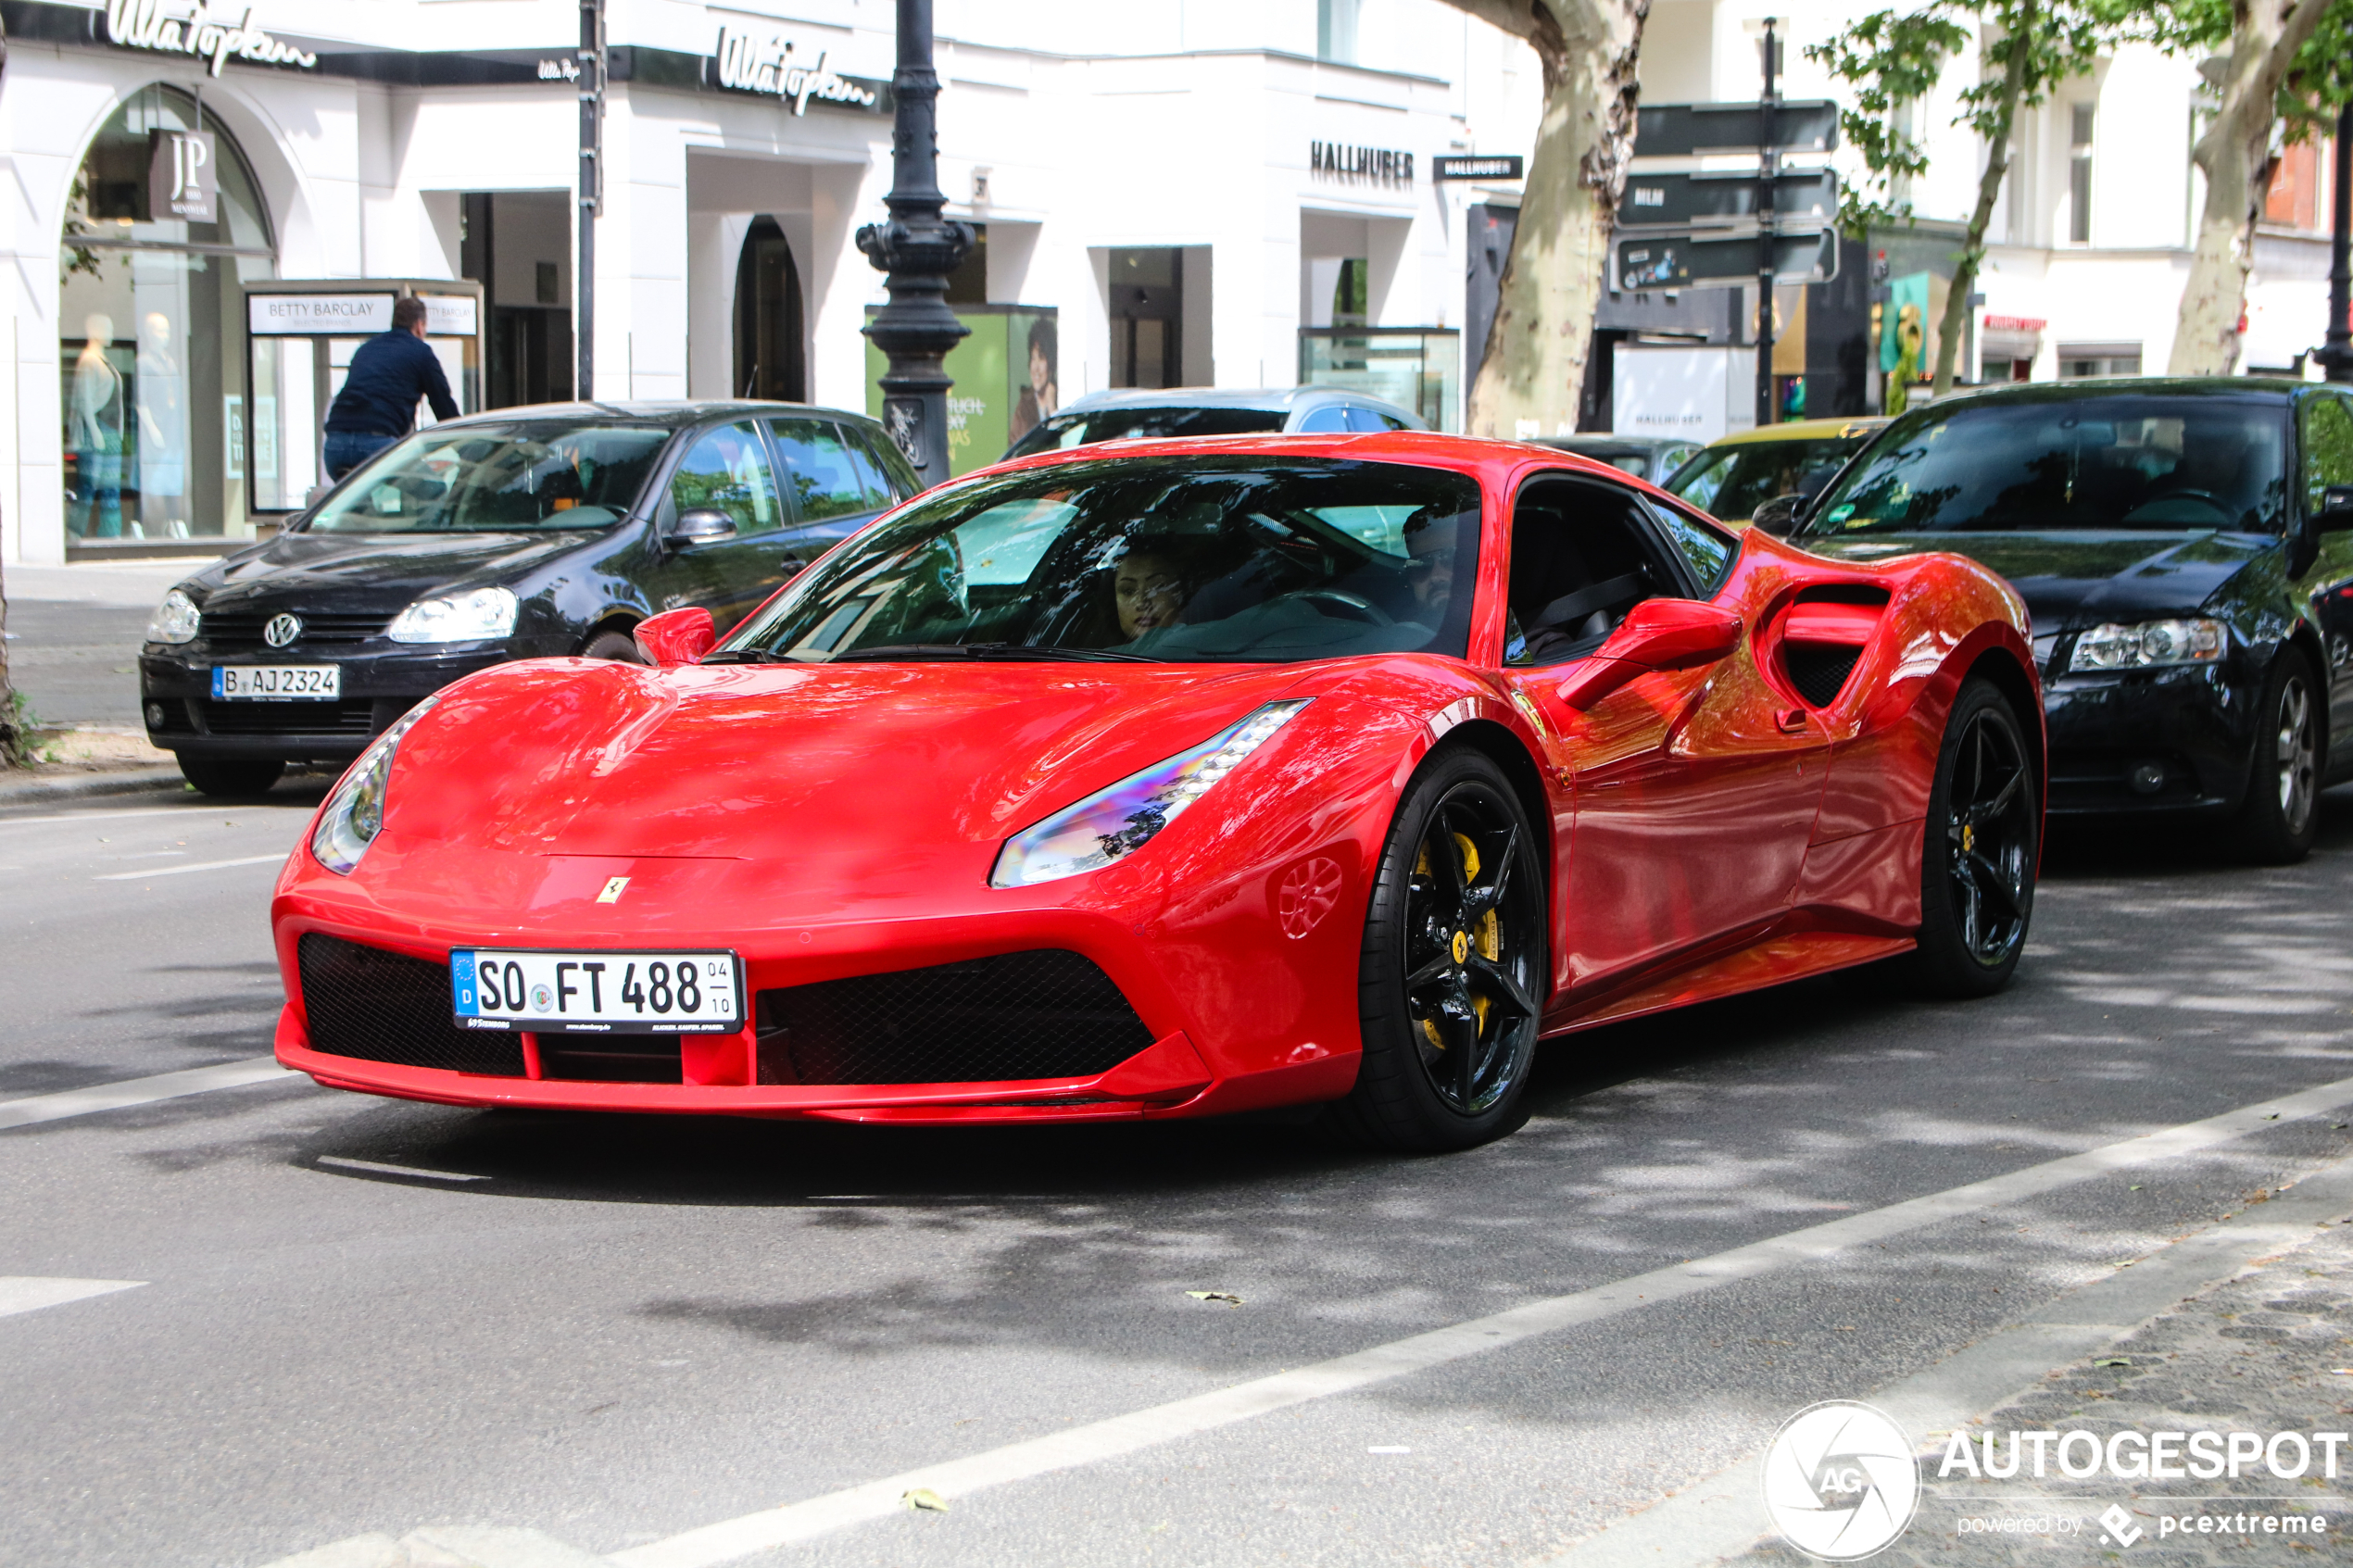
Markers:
129,584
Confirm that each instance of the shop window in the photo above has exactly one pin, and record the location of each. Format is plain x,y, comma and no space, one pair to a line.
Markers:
1335,31
2079,176
151,336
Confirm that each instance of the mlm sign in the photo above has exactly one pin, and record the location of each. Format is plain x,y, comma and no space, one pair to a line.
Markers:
183,181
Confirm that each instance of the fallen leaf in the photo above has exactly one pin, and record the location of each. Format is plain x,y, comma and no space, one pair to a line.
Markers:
923,1498
1226,1296
2113,1360
2135,1187
1846,1328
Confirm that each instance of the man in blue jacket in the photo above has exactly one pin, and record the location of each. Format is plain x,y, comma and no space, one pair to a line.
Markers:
378,402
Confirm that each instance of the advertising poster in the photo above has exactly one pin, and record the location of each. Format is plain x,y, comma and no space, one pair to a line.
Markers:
1007,379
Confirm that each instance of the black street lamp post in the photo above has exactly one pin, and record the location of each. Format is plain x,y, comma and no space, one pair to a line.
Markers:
918,248
2336,356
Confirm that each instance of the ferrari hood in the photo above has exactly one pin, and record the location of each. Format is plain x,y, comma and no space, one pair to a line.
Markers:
2074,580
850,775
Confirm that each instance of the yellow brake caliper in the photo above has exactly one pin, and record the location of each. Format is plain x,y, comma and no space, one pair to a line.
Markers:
1487,934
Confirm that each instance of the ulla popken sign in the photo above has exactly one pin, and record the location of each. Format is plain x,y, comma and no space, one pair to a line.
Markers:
750,63
188,27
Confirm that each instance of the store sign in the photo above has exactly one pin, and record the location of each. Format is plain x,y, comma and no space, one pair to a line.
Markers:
753,63
450,315
318,315
563,69
2015,323
1463,168
1371,165
182,182
189,27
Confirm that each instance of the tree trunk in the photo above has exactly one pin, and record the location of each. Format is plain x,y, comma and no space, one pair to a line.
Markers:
1534,370
1989,186
2234,154
12,752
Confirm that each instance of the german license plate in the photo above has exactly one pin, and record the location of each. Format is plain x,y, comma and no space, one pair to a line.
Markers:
597,993
277,682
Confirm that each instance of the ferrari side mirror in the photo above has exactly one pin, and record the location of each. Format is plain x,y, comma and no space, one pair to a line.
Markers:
1779,515
1658,634
676,636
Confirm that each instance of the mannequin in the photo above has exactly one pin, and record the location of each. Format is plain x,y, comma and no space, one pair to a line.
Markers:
163,431
95,428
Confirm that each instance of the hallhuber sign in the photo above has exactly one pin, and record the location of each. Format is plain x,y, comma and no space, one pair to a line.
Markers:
189,27
1372,166
753,63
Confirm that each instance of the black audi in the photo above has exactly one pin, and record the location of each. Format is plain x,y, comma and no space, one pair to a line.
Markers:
522,534
2182,548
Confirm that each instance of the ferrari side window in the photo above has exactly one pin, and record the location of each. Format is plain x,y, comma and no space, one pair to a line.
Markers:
1708,551
1579,562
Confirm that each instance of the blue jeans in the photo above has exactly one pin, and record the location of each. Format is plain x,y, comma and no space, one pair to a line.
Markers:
347,450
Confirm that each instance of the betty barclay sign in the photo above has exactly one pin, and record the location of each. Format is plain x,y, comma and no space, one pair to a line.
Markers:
189,27
750,63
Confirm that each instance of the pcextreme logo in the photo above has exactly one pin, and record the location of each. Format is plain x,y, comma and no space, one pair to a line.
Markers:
1840,1481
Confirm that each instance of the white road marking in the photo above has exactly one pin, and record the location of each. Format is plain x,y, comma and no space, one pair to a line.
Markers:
141,1091
343,1163
25,1293
769,1529
102,816
197,866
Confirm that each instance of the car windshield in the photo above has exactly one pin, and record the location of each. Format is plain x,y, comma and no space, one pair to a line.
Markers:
1170,558
1732,482
1088,426
2138,460
494,478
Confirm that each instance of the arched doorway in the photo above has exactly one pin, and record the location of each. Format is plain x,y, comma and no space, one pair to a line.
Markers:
151,342
768,342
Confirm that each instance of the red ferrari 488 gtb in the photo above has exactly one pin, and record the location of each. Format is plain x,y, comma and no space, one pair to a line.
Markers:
1178,778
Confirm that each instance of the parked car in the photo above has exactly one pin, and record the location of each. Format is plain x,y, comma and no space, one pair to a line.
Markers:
1730,477
1646,457
1177,779
520,533
2183,546
1201,410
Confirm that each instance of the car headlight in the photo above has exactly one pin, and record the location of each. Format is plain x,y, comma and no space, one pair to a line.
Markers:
355,811
175,619
457,618
2149,643
1117,822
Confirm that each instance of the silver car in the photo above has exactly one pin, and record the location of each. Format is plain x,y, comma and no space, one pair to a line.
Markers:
1199,410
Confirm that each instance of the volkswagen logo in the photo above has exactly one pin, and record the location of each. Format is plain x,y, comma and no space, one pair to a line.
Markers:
282,630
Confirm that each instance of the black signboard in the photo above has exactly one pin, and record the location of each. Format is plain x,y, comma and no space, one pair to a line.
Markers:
1686,129
1458,167
1806,198
183,179
1680,261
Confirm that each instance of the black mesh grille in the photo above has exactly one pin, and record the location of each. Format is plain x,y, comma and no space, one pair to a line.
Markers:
1818,671
230,630
376,1006
351,716
1044,1014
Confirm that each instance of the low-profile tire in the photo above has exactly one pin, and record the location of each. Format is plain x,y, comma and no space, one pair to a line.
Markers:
1454,968
1978,851
616,645
2281,815
233,777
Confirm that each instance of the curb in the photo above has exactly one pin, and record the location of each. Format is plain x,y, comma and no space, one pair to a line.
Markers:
33,792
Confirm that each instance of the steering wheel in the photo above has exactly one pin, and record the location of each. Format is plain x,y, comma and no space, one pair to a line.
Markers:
1352,607
2197,497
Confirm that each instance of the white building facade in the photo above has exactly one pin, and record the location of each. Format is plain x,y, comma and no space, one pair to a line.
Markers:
1179,187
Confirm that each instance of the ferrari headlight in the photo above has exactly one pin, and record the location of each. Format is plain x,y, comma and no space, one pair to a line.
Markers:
2148,644
175,619
1117,822
355,812
457,618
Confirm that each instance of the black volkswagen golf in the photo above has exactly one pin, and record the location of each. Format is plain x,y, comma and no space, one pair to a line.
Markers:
2184,548
515,534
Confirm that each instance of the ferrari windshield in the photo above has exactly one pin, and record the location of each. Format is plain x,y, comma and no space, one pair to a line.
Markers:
1175,558
2136,461
1086,428
494,478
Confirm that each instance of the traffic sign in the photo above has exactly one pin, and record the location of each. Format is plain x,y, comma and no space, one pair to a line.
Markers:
1686,129
1807,197
1682,261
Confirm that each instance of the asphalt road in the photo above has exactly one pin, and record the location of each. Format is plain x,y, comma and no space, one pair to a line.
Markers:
359,1316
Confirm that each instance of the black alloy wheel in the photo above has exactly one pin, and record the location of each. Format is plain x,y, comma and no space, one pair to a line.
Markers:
2282,816
233,778
1979,851
1456,971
